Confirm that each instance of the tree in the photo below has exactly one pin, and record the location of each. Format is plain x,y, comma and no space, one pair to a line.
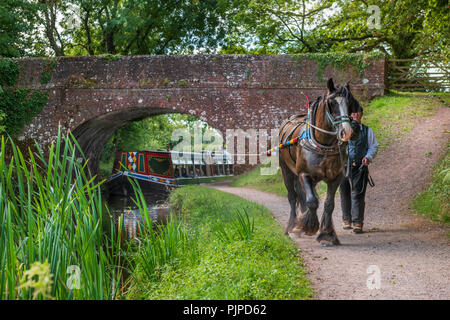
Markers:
16,20
273,26
401,34
134,26
408,28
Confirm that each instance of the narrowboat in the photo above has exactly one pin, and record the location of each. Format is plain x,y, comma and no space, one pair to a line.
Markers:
160,171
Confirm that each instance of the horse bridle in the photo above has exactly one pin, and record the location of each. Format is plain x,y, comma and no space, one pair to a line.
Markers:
333,120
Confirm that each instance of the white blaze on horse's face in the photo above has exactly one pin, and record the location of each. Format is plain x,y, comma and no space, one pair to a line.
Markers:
345,130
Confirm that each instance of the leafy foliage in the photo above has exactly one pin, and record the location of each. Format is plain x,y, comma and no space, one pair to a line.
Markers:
408,28
46,76
17,106
80,27
403,27
16,23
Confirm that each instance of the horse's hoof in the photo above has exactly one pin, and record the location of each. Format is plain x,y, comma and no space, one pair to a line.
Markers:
289,228
329,239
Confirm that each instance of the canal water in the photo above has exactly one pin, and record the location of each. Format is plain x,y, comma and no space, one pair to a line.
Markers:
157,205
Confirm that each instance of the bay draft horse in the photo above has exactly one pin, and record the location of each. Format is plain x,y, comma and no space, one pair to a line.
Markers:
318,154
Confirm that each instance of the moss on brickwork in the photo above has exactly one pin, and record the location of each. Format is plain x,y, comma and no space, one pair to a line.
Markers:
17,106
110,57
79,81
49,65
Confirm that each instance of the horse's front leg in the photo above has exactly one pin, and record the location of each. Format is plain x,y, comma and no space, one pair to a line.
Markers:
308,221
289,181
327,233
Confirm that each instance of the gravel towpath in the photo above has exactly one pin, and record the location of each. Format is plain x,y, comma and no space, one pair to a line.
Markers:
411,253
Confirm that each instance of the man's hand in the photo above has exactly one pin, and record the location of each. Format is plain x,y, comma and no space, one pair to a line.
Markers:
366,161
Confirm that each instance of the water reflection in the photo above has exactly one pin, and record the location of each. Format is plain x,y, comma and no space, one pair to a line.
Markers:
157,205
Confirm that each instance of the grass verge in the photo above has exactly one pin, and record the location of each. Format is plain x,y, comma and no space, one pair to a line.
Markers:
233,249
434,202
269,183
395,114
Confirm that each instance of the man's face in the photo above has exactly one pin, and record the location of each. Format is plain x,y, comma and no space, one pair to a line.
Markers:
357,116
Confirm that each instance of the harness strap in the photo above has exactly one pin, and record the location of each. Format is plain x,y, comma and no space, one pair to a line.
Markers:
289,138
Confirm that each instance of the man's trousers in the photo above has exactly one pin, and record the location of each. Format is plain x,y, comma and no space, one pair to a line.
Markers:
353,195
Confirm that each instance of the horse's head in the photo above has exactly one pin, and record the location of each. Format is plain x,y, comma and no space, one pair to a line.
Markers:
340,104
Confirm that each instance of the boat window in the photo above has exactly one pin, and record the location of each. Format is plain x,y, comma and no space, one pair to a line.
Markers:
184,172
216,170
203,170
190,170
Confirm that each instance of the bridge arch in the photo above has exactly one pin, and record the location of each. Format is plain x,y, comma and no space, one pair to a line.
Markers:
93,134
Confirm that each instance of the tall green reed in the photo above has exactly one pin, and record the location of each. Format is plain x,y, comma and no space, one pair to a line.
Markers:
161,244
51,212
239,226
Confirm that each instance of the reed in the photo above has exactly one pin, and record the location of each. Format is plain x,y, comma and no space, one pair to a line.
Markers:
160,244
51,215
239,226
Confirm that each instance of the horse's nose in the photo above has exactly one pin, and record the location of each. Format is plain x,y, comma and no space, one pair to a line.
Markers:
345,134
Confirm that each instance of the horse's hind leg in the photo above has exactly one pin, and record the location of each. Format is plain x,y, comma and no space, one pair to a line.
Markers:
327,232
289,179
308,221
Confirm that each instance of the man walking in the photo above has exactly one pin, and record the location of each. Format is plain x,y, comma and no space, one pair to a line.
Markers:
361,153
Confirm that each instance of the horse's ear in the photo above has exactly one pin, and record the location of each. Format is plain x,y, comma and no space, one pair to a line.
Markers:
330,85
347,85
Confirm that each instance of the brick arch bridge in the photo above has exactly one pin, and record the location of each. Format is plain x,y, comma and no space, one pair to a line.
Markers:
94,96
